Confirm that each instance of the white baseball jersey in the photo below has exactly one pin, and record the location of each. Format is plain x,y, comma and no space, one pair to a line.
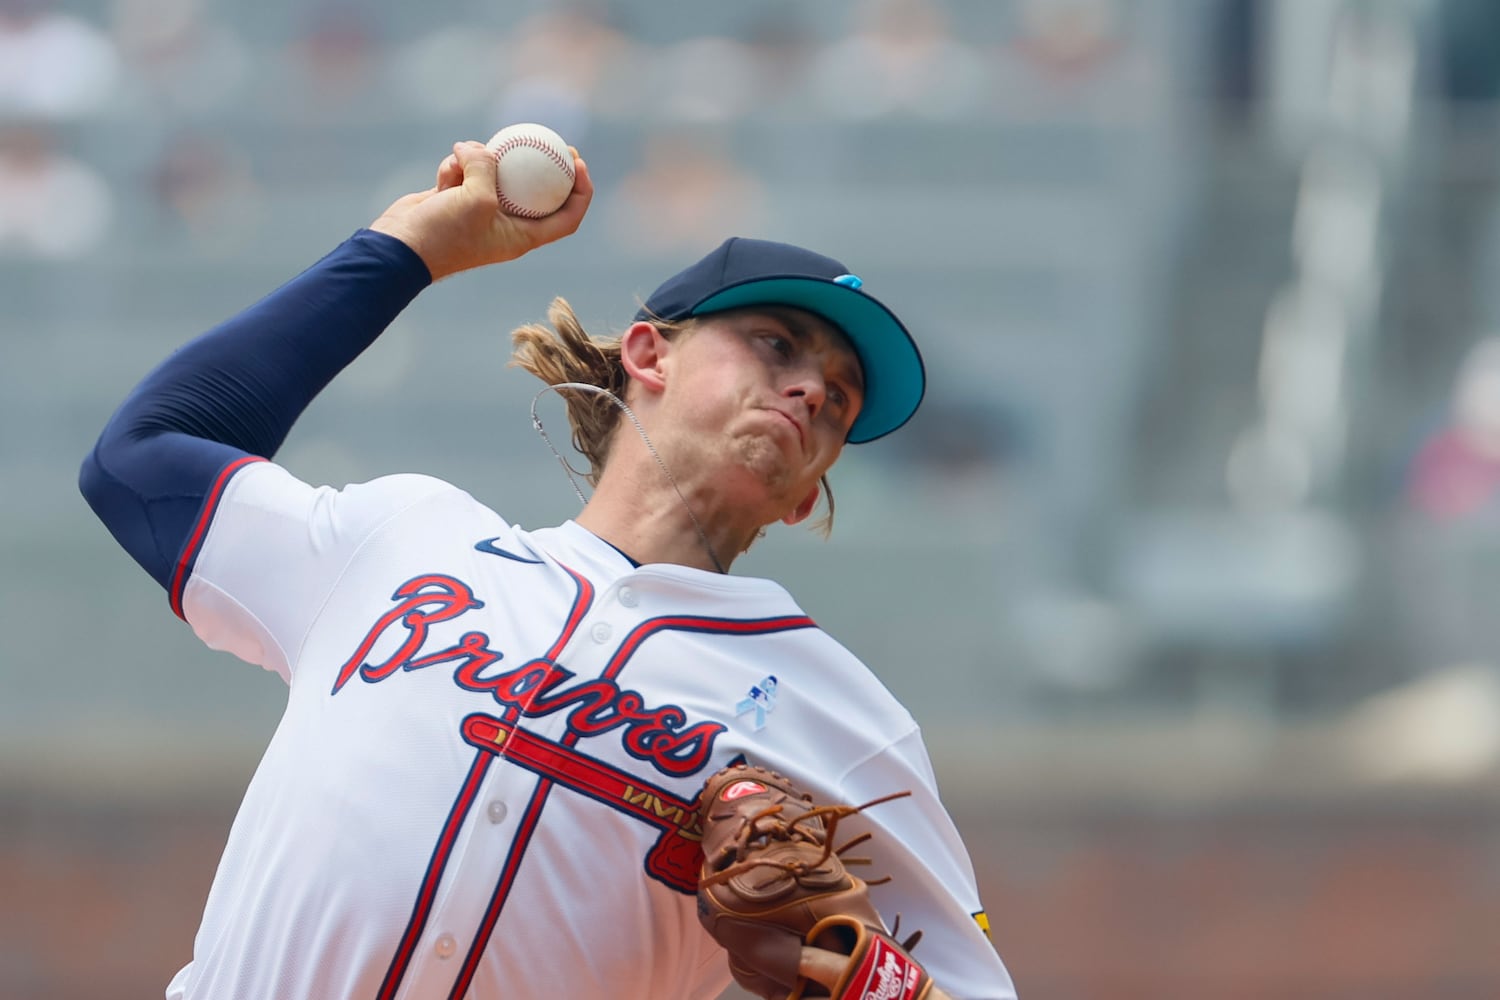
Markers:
482,785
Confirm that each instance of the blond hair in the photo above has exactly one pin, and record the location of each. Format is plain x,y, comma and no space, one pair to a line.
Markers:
566,352
563,351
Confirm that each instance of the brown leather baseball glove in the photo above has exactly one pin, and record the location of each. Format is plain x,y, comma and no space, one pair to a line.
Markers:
772,882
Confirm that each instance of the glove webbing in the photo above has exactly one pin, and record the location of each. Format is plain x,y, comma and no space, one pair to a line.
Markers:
751,828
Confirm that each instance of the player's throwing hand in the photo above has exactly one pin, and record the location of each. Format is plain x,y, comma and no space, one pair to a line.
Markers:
457,224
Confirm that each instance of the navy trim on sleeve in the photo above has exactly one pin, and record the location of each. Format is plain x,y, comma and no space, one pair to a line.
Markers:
234,393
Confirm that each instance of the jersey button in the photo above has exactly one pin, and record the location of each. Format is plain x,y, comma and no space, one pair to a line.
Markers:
445,946
628,597
600,631
496,811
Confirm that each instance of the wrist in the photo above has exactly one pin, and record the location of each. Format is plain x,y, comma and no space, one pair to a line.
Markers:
401,231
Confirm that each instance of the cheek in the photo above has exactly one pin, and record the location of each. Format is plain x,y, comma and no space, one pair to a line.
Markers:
723,370
833,447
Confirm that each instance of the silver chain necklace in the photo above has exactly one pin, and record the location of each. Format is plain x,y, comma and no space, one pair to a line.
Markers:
573,473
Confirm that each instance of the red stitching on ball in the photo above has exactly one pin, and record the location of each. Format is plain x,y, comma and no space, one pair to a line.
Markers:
511,208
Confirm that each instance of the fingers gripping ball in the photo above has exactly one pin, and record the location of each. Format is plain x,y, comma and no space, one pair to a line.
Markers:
533,170
772,881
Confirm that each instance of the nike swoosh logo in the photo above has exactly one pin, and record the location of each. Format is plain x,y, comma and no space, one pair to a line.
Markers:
488,545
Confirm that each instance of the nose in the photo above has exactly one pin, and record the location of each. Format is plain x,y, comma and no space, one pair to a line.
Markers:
809,387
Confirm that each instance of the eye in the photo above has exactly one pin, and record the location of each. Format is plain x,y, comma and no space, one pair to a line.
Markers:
778,343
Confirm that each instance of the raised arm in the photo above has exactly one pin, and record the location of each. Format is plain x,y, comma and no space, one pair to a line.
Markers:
233,394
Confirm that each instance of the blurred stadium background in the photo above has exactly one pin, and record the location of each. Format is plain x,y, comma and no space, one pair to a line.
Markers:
1186,566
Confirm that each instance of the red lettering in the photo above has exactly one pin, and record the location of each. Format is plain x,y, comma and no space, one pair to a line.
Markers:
536,688
450,599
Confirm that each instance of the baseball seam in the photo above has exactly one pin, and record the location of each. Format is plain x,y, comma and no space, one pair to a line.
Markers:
545,148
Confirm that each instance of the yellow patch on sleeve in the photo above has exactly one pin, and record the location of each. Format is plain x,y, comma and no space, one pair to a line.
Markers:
983,920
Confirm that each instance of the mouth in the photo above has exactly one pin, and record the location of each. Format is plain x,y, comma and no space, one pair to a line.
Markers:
794,424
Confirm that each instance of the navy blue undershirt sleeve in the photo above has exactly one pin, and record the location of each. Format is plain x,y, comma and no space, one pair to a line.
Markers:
236,390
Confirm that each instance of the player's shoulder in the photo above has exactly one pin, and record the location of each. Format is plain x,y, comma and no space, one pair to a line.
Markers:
815,660
269,479
426,498
408,486
266,486
866,682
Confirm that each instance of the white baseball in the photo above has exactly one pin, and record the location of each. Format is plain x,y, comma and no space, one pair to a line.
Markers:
534,170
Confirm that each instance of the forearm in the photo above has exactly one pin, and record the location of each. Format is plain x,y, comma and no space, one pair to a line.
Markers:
245,382
236,391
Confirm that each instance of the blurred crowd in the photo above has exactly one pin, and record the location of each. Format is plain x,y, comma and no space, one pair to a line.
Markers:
186,81
1295,165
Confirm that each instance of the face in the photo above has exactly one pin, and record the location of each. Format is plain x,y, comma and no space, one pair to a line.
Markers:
773,391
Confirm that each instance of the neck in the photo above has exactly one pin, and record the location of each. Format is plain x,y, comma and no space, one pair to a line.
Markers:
641,513
644,509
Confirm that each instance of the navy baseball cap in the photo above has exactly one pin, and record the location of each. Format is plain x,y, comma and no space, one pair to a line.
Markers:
744,272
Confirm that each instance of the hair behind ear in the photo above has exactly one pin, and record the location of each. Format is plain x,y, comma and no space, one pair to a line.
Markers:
824,524
565,352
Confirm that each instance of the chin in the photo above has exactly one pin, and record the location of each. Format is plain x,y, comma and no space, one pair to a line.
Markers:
760,478
764,462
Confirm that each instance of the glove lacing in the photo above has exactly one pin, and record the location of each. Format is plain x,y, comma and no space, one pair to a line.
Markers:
751,828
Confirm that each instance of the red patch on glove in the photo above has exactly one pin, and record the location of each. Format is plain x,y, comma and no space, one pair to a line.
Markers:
740,789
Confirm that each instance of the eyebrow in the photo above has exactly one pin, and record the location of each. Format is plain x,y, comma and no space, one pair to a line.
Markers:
851,370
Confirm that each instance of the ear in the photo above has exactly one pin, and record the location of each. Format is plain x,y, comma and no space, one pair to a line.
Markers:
801,512
642,351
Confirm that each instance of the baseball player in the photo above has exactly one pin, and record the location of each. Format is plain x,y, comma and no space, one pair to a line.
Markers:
483,784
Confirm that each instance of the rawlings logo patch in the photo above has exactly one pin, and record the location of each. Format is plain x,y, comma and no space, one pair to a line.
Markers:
740,789
885,974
